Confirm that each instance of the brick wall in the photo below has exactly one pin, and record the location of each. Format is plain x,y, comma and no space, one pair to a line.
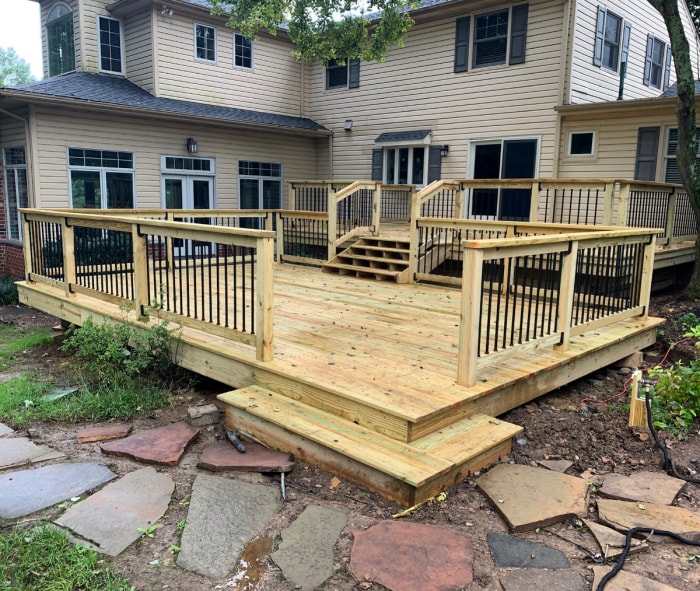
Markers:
11,254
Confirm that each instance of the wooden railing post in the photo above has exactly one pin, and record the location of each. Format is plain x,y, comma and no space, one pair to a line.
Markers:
279,244
292,192
470,316
671,217
647,272
139,247
376,208
264,299
534,202
461,202
28,248
68,243
565,307
623,204
332,222
413,236
169,250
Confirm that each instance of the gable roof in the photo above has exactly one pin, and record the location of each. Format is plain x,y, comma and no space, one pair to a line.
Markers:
102,90
672,91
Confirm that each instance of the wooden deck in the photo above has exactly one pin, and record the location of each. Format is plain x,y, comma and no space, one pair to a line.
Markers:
363,377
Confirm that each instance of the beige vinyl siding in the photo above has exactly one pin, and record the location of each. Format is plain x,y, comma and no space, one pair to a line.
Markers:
45,9
13,132
273,85
590,83
416,88
148,140
138,42
90,9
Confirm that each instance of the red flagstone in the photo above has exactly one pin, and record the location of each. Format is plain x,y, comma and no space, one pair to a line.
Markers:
115,431
222,456
406,556
164,445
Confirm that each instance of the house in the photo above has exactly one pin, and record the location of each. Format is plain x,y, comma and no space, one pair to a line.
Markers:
158,104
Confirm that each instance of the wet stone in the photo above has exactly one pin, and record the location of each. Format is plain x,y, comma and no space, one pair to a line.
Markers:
540,580
651,487
114,431
164,445
406,556
18,451
222,456
508,551
223,517
306,554
110,519
26,491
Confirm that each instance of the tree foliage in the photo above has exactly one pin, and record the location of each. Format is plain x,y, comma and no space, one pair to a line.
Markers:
325,29
694,6
13,69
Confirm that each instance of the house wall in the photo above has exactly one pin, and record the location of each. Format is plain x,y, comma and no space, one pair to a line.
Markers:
140,50
590,83
58,130
416,88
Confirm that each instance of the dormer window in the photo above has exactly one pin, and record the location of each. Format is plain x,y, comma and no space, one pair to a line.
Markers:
60,40
110,32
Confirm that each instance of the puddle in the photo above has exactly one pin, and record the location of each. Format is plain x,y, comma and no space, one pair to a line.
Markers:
251,567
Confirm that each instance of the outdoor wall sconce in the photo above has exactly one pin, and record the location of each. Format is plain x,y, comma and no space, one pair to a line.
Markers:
444,150
348,125
165,10
191,145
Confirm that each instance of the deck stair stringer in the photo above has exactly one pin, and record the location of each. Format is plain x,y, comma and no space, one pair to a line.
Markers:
376,257
407,473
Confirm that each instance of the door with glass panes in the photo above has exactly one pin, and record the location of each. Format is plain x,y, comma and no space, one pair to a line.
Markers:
260,187
188,192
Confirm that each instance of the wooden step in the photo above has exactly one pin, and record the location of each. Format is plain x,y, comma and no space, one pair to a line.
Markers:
373,257
406,473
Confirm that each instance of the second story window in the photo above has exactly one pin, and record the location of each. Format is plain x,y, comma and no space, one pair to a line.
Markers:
343,74
242,51
110,45
205,43
60,40
611,40
490,38
657,65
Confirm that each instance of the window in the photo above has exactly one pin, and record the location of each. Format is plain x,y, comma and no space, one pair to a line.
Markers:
242,51
657,65
343,74
499,37
581,143
60,40
16,194
101,179
110,45
611,40
671,172
205,43
647,150
260,187
406,165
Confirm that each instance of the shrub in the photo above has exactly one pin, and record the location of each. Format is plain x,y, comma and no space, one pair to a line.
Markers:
8,291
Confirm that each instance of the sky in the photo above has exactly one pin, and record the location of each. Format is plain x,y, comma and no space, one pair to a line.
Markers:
20,29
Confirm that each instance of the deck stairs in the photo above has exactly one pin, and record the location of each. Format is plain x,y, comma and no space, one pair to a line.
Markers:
407,471
381,258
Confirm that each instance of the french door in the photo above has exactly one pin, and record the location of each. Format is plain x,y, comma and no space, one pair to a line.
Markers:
188,192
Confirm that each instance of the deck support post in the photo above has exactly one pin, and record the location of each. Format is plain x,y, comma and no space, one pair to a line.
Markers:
332,221
376,208
140,254
264,299
68,243
470,316
565,307
647,273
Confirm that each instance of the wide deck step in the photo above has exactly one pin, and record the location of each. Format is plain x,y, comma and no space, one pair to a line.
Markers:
380,258
405,472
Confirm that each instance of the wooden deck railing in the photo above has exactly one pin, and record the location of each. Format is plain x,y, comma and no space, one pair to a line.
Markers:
520,294
201,275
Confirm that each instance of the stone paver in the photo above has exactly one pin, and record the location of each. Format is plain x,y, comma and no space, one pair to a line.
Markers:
5,430
18,451
163,445
556,465
623,515
406,556
110,518
540,580
508,552
115,431
224,515
26,491
528,498
624,581
222,456
306,554
651,487
612,542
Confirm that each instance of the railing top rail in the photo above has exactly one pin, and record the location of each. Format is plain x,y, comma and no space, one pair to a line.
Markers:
517,226
321,183
356,186
651,185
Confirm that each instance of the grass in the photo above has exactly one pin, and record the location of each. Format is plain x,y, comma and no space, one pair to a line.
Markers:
14,340
43,559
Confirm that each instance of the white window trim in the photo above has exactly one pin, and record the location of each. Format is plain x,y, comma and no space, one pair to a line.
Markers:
252,54
216,43
594,143
103,176
7,168
121,46
493,140
176,171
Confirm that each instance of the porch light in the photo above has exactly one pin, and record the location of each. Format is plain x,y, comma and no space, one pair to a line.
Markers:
348,125
444,150
191,145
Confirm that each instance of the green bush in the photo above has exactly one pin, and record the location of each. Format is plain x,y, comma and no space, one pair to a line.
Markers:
8,291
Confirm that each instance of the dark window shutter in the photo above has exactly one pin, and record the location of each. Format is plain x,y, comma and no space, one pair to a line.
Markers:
462,44
378,164
353,73
647,150
599,30
647,60
626,42
518,34
434,164
667,68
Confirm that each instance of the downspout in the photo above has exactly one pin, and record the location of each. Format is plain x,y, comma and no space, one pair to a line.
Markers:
30,152
564,70
330,155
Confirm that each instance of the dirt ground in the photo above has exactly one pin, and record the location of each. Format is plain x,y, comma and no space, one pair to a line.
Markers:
585,422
